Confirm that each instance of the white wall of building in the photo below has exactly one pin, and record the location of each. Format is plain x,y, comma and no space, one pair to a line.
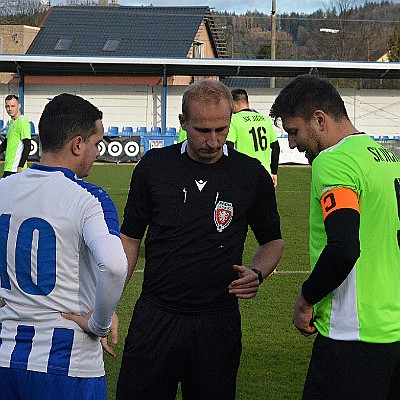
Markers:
376,112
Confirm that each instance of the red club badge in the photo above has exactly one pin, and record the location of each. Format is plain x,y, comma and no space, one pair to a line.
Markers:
223,213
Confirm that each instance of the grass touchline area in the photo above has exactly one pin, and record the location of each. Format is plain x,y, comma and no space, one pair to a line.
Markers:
275,355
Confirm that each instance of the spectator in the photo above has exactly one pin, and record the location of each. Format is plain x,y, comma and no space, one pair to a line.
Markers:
186,324
352,296
17,143
62,263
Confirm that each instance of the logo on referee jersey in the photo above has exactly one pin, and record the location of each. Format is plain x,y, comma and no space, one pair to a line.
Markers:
223,213
200,184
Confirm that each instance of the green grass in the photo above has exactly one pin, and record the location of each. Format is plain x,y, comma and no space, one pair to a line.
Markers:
275,356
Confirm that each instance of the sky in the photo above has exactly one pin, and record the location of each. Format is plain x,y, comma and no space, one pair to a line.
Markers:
241,6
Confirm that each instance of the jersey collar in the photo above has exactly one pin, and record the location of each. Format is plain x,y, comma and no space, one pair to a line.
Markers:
184,145
67,172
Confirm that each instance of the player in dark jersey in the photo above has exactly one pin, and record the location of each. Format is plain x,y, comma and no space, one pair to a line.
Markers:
196,200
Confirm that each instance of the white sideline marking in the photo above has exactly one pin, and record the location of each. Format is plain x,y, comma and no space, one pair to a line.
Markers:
292,272
277,272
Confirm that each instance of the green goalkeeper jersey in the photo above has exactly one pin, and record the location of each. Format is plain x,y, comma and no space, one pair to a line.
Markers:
18,130
253,134
366,306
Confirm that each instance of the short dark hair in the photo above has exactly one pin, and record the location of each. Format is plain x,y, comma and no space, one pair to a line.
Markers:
240,95
12,96
304,95
65,117
207,90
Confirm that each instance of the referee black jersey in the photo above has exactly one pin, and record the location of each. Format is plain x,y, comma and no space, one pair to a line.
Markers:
197,216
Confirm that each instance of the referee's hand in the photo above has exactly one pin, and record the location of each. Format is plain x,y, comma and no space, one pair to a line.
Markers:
247,285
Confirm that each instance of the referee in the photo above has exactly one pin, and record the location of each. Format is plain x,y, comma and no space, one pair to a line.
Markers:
196,199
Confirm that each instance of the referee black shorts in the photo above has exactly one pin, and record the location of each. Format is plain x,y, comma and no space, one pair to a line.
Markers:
162,348
350,370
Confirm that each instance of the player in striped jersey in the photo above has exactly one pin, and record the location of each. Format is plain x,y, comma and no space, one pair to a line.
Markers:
62,265
352,296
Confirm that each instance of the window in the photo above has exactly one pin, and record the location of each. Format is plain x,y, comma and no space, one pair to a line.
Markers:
198,49
63,44
111,45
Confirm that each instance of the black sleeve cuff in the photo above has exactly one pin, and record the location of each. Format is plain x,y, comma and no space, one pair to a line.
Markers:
275,151
25,152
338,257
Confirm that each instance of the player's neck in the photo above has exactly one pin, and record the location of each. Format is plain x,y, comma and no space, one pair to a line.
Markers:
56,159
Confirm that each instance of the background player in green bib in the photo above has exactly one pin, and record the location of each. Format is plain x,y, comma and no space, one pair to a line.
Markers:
182,135
352,297
17,144
253,134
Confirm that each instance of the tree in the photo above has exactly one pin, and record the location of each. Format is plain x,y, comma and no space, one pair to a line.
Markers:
264,51
394,45
22,12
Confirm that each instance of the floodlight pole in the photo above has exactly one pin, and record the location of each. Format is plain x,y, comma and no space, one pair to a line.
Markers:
273,39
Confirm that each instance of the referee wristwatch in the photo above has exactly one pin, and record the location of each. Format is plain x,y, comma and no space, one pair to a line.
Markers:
259,274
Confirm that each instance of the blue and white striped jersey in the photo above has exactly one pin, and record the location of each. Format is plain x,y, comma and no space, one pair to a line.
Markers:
48,218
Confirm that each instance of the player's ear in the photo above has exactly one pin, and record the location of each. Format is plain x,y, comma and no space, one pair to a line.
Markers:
76,145
182,121
320,118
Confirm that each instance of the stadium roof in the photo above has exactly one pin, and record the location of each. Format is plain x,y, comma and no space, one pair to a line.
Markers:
119,31
46,65
49,65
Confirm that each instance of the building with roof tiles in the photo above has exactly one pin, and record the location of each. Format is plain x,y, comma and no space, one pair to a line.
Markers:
117,31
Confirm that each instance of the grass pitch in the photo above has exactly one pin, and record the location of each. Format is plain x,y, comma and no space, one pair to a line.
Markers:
275,356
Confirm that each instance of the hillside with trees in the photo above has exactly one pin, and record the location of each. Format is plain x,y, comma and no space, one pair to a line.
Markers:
343,31
22,12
